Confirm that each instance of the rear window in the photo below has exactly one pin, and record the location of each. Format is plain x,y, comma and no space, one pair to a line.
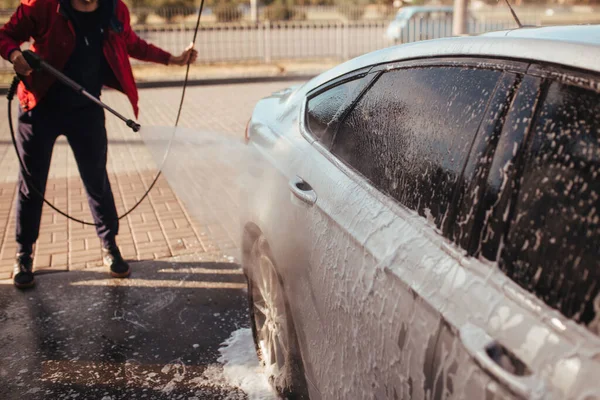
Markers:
553,245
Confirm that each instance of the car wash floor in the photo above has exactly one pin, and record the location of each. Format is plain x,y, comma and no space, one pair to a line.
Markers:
156,335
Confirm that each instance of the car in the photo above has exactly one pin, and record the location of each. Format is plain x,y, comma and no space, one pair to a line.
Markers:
426,222
422,23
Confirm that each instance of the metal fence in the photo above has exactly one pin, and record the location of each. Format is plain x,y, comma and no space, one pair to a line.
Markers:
342,12
267,42
330,37
271,41
243,13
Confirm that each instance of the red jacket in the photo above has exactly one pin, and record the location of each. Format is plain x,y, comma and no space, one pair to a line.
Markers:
53,34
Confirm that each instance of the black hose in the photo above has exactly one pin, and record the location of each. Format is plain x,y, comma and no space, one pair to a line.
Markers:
187,71
25,174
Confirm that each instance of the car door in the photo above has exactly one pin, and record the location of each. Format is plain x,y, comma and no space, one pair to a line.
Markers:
457,370
528,219
384,179
287,231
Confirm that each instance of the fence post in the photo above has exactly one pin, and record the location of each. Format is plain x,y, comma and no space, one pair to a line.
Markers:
267,39
339,40
260,41
346,46
182,33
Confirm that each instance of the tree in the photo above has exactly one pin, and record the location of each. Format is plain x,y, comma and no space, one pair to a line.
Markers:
227,11
352,9
282,10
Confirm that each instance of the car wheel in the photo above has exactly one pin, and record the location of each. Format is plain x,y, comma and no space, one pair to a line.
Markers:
272,325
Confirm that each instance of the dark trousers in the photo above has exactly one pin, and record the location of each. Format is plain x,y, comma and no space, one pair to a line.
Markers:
86,134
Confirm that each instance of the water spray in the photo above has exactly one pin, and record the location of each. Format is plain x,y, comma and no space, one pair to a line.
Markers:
38,64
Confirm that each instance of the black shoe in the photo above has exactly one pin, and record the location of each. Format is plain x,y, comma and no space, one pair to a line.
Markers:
23,272
113,259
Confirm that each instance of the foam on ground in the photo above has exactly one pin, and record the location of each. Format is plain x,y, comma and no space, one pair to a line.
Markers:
241,367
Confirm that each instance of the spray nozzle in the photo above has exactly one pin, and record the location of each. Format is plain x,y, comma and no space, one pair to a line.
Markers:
133,125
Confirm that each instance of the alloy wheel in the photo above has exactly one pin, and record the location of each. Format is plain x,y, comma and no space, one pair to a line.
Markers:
269,312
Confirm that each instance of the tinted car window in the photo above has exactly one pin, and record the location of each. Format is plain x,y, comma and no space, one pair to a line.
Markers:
322,109
553,246
482,222
410,134
466,226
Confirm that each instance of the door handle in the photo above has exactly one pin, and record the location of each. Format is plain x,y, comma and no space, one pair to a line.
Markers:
498,361
303,191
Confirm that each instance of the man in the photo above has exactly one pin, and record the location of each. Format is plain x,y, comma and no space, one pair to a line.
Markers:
90,41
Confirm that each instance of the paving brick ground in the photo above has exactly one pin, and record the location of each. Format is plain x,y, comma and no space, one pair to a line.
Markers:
161,227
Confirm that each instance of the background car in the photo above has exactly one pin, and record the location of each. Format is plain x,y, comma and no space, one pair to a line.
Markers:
423,22
426,224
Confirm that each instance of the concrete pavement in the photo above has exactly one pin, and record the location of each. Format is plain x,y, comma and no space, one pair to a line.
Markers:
156,335
161,227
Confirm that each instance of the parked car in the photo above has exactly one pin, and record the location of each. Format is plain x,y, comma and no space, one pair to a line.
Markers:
427,222
422,23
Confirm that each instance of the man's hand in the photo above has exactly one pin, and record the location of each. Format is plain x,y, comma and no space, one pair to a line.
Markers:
19,64
189,55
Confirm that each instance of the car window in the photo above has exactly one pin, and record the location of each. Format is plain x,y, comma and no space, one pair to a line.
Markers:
553,246
474,198
490,174
501,181
410,134
322,108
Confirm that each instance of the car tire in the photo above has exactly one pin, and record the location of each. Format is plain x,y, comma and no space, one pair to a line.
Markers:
272,325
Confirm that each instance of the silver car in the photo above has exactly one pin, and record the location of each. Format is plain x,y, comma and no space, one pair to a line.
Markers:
427,224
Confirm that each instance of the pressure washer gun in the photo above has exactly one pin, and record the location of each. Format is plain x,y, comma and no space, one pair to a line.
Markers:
38,64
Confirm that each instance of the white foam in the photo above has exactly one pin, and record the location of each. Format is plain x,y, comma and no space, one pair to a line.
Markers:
241,367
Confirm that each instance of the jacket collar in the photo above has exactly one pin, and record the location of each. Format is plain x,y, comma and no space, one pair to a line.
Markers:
109,13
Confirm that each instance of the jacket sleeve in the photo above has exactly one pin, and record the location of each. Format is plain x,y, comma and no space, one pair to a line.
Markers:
18,29
139,48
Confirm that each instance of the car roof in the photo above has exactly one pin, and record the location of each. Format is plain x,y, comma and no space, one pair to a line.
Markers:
588,34
571,46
